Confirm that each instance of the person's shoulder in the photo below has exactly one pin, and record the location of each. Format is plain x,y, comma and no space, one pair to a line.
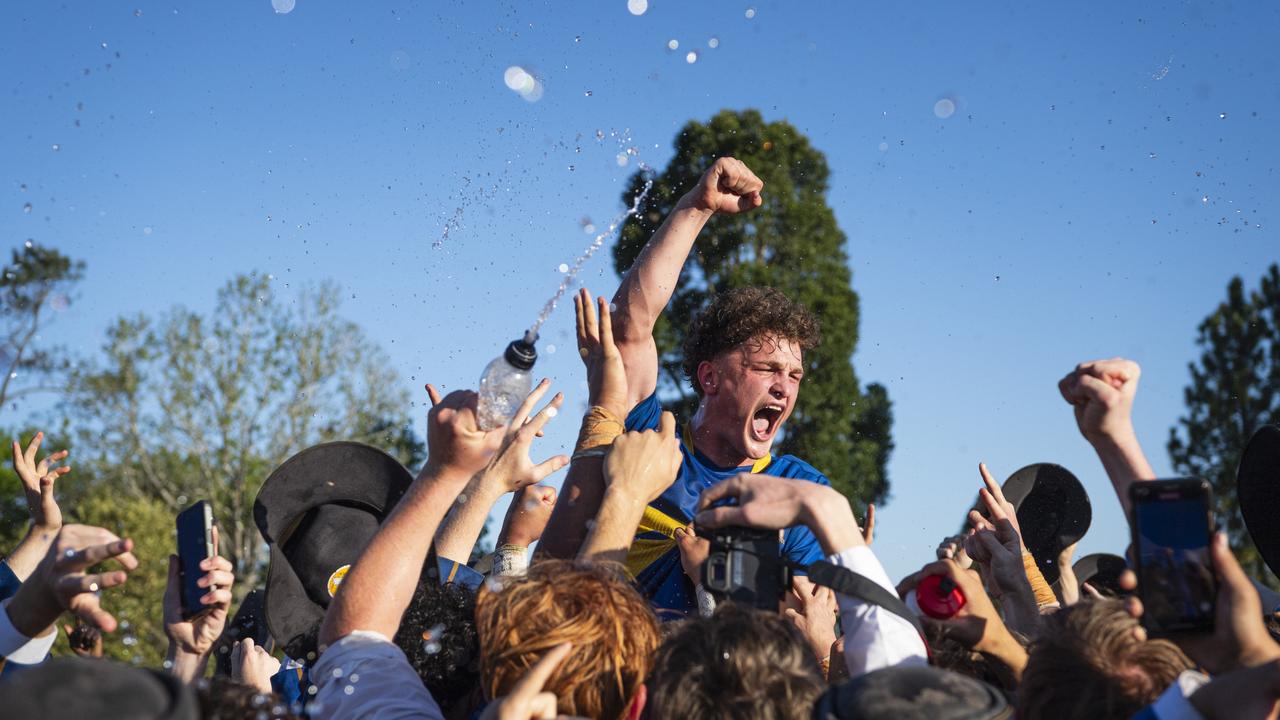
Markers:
791,466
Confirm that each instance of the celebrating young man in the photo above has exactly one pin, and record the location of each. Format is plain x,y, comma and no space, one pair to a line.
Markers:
743,355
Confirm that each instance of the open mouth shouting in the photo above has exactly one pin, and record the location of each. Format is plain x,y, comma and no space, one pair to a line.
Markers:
765,421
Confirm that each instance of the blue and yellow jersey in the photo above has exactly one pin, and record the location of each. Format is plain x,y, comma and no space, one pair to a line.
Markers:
654,558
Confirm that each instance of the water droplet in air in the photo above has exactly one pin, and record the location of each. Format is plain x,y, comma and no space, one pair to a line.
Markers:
637,7
1222,116
713,43
751,12
564,267
283,7
883,147
944,108
56,147
551,412
104,46
692,57
622,159
1151,155
672,44
27,244
26,208
146,230
587,93
599,134
137,13
571,168
1205,199
551,349
577,38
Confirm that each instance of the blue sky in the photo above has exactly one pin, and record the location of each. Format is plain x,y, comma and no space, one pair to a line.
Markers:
1105,172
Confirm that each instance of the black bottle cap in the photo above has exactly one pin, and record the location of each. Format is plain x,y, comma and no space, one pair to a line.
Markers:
521,353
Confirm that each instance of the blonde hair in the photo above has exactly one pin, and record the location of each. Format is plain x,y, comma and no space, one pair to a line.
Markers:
612,628
1090,663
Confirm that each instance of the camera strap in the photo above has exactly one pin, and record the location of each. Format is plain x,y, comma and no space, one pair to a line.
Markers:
847,582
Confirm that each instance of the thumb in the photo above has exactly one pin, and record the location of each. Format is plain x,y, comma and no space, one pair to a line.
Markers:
667,425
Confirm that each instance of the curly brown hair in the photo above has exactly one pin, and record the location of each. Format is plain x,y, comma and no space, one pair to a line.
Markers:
742,315
737,663
592,605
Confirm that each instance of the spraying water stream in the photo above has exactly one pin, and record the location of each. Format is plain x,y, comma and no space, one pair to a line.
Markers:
596,244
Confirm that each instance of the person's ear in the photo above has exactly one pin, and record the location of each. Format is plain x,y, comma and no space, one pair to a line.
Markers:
635,710
708,377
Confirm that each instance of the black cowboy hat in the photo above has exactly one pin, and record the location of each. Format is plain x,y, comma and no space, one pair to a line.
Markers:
318,511
1258,490
1102,572
1053,512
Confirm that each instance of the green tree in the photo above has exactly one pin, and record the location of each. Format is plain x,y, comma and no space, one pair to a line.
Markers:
36,280
791,242
1235,389
190,406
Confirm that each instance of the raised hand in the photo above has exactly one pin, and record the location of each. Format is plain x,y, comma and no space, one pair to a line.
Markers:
1102,393
197,635
61,583
455,442
527,516
510,467
728,186
606,376
998,508
643,464
816,618
37,482
977,625
773,503
527,700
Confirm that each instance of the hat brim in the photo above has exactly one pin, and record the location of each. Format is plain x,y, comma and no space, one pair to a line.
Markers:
1102,572
1258,490
1053,510
336,472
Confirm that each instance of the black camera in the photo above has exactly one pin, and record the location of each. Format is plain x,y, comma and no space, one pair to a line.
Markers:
745,566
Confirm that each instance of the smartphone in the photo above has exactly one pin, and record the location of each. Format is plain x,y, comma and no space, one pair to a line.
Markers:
195,544
1172,527
745,566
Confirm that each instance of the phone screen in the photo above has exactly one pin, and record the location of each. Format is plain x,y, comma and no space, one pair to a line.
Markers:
1175,572
195,544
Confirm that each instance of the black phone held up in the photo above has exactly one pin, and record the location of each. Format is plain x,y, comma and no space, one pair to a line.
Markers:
1172,527
195,544
746,566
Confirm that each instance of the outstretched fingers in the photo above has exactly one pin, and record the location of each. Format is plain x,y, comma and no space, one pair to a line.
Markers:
522,413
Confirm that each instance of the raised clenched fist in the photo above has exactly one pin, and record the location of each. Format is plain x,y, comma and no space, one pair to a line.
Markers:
728,186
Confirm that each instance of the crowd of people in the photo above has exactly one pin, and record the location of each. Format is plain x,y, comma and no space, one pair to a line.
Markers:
682,571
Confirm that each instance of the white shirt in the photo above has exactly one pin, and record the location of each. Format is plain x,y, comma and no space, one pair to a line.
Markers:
18,648
364,675
874,637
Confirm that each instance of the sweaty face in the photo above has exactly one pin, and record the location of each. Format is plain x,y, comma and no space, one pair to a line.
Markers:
748,392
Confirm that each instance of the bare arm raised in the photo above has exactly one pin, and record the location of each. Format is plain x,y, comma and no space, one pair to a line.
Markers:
728,186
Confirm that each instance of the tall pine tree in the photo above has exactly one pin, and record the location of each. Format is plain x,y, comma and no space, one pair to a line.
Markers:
792,243
1235,389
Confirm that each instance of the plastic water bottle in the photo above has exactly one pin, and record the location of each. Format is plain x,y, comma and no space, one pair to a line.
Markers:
506,382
